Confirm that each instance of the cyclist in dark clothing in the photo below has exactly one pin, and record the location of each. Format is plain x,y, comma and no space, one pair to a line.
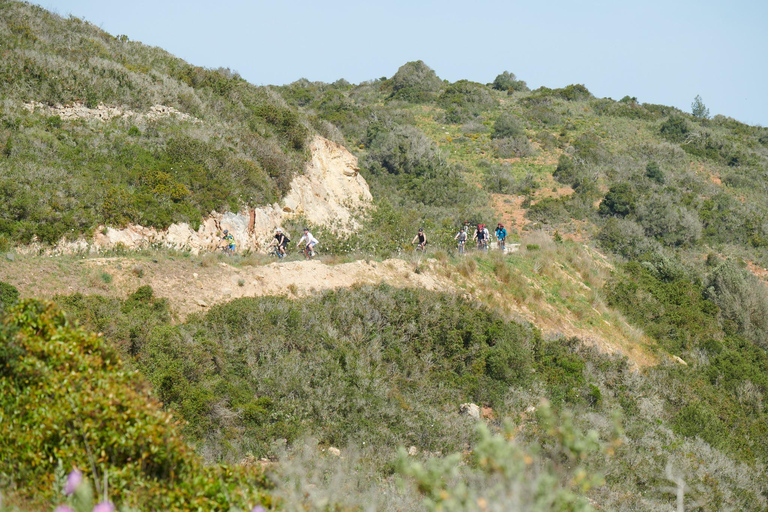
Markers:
281,241
421,239
480,236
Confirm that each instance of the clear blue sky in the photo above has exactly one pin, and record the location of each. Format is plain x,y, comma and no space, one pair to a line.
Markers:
663,52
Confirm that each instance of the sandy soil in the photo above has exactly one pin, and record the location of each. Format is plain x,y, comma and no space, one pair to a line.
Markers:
194,285
191,286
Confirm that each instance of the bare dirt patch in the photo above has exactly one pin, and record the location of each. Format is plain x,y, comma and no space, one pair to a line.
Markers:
757,270
509,209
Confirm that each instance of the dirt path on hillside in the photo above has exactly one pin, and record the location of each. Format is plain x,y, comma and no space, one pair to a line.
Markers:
191,287
195,285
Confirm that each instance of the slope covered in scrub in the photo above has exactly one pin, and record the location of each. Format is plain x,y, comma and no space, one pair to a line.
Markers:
150,139
67,401
369,369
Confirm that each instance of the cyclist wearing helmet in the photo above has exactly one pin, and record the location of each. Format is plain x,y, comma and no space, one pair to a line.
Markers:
480,236
230,241
461,236
281,241
421,239
501,235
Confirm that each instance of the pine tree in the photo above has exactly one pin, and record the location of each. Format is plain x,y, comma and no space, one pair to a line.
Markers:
699,109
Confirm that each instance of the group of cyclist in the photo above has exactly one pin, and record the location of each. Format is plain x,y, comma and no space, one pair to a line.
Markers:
279,243
481,237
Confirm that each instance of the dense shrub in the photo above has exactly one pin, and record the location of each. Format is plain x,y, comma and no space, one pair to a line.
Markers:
66,399
9,295
507,125
654,172
549,210
619,201
565,171
742,299
590,148
675,129
510,147
669,308
371,349
574,92
508,82
627,108
415,82
624,237
501,180
664,219
466,95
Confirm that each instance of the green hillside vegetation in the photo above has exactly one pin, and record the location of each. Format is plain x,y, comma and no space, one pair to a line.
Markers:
68,402
376,368
64,177
675,201
666,181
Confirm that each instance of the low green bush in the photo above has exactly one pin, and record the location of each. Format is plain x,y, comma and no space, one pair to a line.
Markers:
467,95
9,295
68,402
507,125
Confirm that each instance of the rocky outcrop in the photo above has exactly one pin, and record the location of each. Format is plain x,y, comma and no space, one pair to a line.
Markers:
78,110
329,193
470,409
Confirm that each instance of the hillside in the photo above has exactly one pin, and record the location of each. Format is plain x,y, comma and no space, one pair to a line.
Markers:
667,181
100,130
616,359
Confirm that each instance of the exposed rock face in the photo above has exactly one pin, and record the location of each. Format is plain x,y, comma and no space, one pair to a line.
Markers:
470,409
78,110
329,193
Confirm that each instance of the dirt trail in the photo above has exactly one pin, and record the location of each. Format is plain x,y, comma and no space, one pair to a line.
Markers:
192,288
194,285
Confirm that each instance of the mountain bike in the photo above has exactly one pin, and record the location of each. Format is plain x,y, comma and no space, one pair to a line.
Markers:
462,249
502,244
276,252
308,252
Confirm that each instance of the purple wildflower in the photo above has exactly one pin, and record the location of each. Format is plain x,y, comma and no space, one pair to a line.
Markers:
74,479
104,506
63,508
258,508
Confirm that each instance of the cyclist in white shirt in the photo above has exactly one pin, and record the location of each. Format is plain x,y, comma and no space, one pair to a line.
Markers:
311,241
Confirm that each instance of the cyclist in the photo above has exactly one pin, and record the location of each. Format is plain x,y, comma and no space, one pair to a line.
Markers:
281,242
421,238
461,236
311,242
501,235
480,236
486,237
230,241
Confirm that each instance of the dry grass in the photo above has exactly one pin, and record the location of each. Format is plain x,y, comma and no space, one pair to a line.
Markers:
209,259
467,267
